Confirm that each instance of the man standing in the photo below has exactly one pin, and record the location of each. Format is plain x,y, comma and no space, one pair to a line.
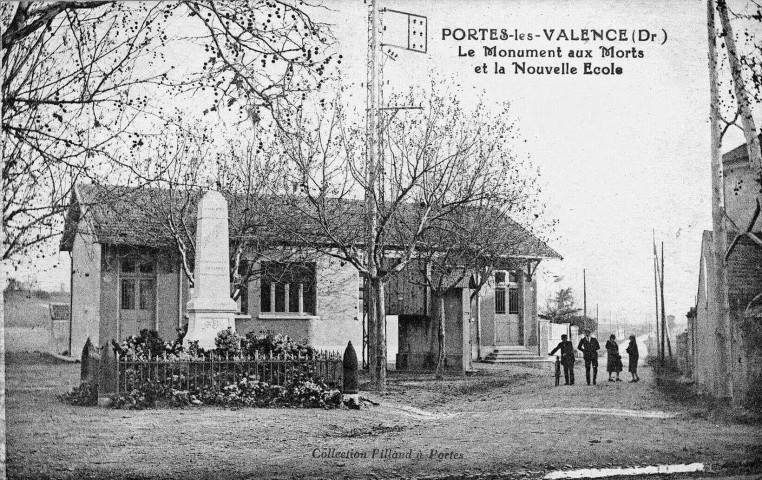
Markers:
589,347
567,359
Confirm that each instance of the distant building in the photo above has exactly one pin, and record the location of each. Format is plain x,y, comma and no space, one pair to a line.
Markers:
126,275
744,269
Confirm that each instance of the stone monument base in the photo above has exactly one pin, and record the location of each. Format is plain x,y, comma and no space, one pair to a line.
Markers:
203,326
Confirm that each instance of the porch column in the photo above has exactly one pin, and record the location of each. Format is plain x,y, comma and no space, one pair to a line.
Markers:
529,309
523,308
301,298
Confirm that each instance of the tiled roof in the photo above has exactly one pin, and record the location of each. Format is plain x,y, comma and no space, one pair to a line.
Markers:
121,216
126,216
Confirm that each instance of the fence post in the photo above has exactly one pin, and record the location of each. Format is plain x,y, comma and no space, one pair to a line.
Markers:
107,378
350,378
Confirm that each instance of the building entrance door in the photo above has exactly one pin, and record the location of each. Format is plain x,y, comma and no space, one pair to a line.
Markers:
502,329
507,330
137,296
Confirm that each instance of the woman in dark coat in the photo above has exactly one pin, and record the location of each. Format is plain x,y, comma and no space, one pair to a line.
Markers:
632,351
614,364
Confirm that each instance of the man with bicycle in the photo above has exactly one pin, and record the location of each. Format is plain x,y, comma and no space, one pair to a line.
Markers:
567,359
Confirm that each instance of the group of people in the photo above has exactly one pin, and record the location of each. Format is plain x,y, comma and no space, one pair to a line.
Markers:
589,347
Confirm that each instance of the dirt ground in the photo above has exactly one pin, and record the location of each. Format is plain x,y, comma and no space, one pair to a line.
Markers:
497,424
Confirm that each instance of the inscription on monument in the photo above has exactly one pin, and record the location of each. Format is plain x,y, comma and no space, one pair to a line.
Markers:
213,324
212,268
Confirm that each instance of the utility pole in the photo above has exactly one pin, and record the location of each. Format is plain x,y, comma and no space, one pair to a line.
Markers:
584,298
663,315
416,41
597,331
656,297
376,369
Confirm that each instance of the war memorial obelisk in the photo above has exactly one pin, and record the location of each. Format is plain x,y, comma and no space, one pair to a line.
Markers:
210,308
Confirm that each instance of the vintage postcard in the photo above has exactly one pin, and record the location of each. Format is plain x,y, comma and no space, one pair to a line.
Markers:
381,239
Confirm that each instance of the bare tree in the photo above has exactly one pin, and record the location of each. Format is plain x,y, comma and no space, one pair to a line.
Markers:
242,170
247,173
470,234
745,77
470,246
746,91
465,198
60,65
85,83
745,72
436,164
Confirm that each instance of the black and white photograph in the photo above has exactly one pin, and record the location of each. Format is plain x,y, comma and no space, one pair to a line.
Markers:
381,239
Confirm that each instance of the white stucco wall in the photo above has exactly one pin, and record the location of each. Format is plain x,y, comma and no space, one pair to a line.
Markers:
337,319
86,290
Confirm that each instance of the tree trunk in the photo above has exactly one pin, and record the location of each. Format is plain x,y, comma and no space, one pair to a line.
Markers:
441,338
376,314
742,96
372,310
2,344
380,383
720,237
478,325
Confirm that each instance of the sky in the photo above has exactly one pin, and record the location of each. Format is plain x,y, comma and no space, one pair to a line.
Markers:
621,157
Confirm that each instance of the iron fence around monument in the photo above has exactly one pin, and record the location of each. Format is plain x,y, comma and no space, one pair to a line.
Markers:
217,371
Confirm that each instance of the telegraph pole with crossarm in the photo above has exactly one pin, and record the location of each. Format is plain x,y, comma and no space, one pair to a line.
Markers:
416,29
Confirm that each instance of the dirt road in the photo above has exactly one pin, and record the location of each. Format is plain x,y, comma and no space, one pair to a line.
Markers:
497,423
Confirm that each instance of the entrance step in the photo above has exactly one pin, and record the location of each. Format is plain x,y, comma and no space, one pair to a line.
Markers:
515,354
511,348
